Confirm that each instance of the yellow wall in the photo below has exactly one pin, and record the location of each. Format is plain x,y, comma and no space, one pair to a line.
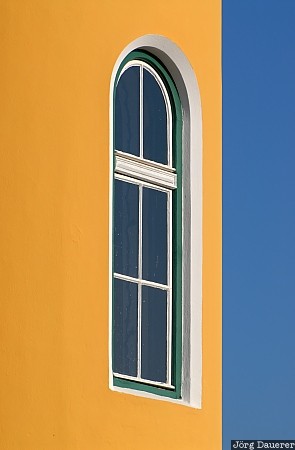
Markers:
56,59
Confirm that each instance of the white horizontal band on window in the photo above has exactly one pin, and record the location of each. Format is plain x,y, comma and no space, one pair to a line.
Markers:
141,281
146,161
143,380
141,170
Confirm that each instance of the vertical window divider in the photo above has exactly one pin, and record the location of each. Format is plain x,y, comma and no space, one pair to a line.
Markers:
169,290
140,225
141,112
140,187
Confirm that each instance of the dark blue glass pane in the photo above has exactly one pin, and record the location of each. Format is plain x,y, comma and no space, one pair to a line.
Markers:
126,228
127,117
154,334
125,328
154,121
154,236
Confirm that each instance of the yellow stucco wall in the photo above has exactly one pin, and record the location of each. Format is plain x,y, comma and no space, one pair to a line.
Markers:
56,61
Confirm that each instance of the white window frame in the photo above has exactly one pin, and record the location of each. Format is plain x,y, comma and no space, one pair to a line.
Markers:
181,71
143,172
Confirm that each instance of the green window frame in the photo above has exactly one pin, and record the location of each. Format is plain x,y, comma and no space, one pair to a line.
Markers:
125,166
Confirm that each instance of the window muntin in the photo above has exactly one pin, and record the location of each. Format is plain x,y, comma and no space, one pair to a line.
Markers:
153,345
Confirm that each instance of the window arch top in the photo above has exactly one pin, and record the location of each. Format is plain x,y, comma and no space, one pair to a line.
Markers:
143,114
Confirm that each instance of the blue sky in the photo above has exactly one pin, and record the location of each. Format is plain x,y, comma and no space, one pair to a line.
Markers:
258,219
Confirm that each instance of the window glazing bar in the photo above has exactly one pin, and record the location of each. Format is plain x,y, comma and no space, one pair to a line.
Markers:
143,380
170,281
139,285
141,112
143,282
128,179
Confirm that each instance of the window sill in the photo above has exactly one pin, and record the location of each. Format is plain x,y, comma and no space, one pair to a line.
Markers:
144,394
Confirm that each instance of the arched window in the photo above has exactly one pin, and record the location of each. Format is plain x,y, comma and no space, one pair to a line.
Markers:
155,276
147,228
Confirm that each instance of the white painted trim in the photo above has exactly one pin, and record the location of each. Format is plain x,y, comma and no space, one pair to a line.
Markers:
139,285
144,380
169,292
153,284
145,172
140,112
184,77
128,179
148,162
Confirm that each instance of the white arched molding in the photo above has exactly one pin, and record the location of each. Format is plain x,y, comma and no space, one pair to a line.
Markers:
184,77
